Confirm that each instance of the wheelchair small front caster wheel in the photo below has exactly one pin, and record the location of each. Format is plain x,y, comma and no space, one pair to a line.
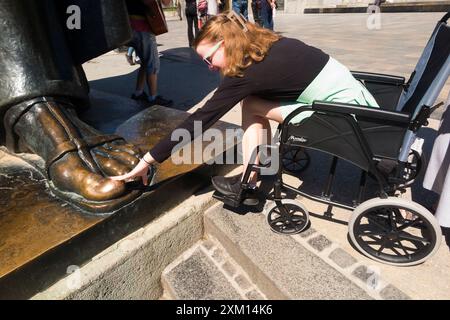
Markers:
394,231
287,217
295,160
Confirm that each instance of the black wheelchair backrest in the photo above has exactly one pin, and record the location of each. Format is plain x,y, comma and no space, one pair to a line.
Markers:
431,72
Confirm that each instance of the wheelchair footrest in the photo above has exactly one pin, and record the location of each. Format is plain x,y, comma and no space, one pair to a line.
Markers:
247,197
231,201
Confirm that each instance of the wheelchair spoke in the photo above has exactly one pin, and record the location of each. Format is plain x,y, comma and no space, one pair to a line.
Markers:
376,242
392,222
379,225
278,220
374,238
382,246
407,248
404,249
396,252
371,233
410,237
277,211
409,224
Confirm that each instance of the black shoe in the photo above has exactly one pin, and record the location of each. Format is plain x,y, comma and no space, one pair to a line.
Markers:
220,180
227,185
161,101
142,97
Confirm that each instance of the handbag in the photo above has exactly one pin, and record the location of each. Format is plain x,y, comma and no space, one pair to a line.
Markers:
202,6
155,17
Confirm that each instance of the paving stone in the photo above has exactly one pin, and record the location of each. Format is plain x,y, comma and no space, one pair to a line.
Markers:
254,295
362,273
320,242
242,282
208,245
199,278
307,233
342,258
218,255
392,293
229,269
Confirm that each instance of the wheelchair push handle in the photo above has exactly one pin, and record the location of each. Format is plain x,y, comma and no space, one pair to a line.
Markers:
446,17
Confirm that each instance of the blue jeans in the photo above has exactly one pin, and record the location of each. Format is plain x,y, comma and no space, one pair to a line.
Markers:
266,15
241,6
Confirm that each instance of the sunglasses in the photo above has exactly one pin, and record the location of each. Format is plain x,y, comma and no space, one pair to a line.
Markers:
238,19
209,56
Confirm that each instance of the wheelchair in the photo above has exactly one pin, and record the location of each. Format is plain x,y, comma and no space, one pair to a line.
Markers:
385,228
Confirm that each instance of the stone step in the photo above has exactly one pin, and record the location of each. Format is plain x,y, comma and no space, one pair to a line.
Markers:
303,266
206,272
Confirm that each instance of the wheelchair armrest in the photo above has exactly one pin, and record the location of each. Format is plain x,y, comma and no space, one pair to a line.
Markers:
378,77
357,110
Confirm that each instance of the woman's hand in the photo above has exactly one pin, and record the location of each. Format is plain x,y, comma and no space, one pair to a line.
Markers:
141,170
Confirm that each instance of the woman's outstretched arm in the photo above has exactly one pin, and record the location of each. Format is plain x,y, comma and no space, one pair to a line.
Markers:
141,170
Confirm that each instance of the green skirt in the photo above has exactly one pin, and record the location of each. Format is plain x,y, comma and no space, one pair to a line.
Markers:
334,83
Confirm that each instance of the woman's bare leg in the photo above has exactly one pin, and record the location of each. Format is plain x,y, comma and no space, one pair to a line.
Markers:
256,114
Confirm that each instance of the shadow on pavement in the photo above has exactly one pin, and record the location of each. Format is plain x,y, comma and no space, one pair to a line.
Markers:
183,78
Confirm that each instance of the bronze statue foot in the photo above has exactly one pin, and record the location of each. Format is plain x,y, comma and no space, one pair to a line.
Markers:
78,158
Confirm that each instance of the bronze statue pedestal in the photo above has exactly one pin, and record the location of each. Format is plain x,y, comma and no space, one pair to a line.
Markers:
41,235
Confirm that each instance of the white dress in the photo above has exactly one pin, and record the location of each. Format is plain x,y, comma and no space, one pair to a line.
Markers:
212,7
437,176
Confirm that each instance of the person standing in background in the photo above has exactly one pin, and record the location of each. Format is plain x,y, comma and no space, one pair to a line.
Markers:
144,42
179,8
212,8
222,5
192,20
241,7
256,9
267,8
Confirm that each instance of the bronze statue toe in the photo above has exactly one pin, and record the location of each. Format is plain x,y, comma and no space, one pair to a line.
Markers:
78,158
111,167
70,175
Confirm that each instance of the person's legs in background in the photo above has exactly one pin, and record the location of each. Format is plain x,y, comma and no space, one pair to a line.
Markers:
241,7
138,44
129,56
190,21
178,2
195,26
244,9
152,71
236,6
256,9
266,15
146,48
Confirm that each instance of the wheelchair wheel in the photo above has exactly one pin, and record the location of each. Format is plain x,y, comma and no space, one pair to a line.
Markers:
287,217
416,162
295,160
394,231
